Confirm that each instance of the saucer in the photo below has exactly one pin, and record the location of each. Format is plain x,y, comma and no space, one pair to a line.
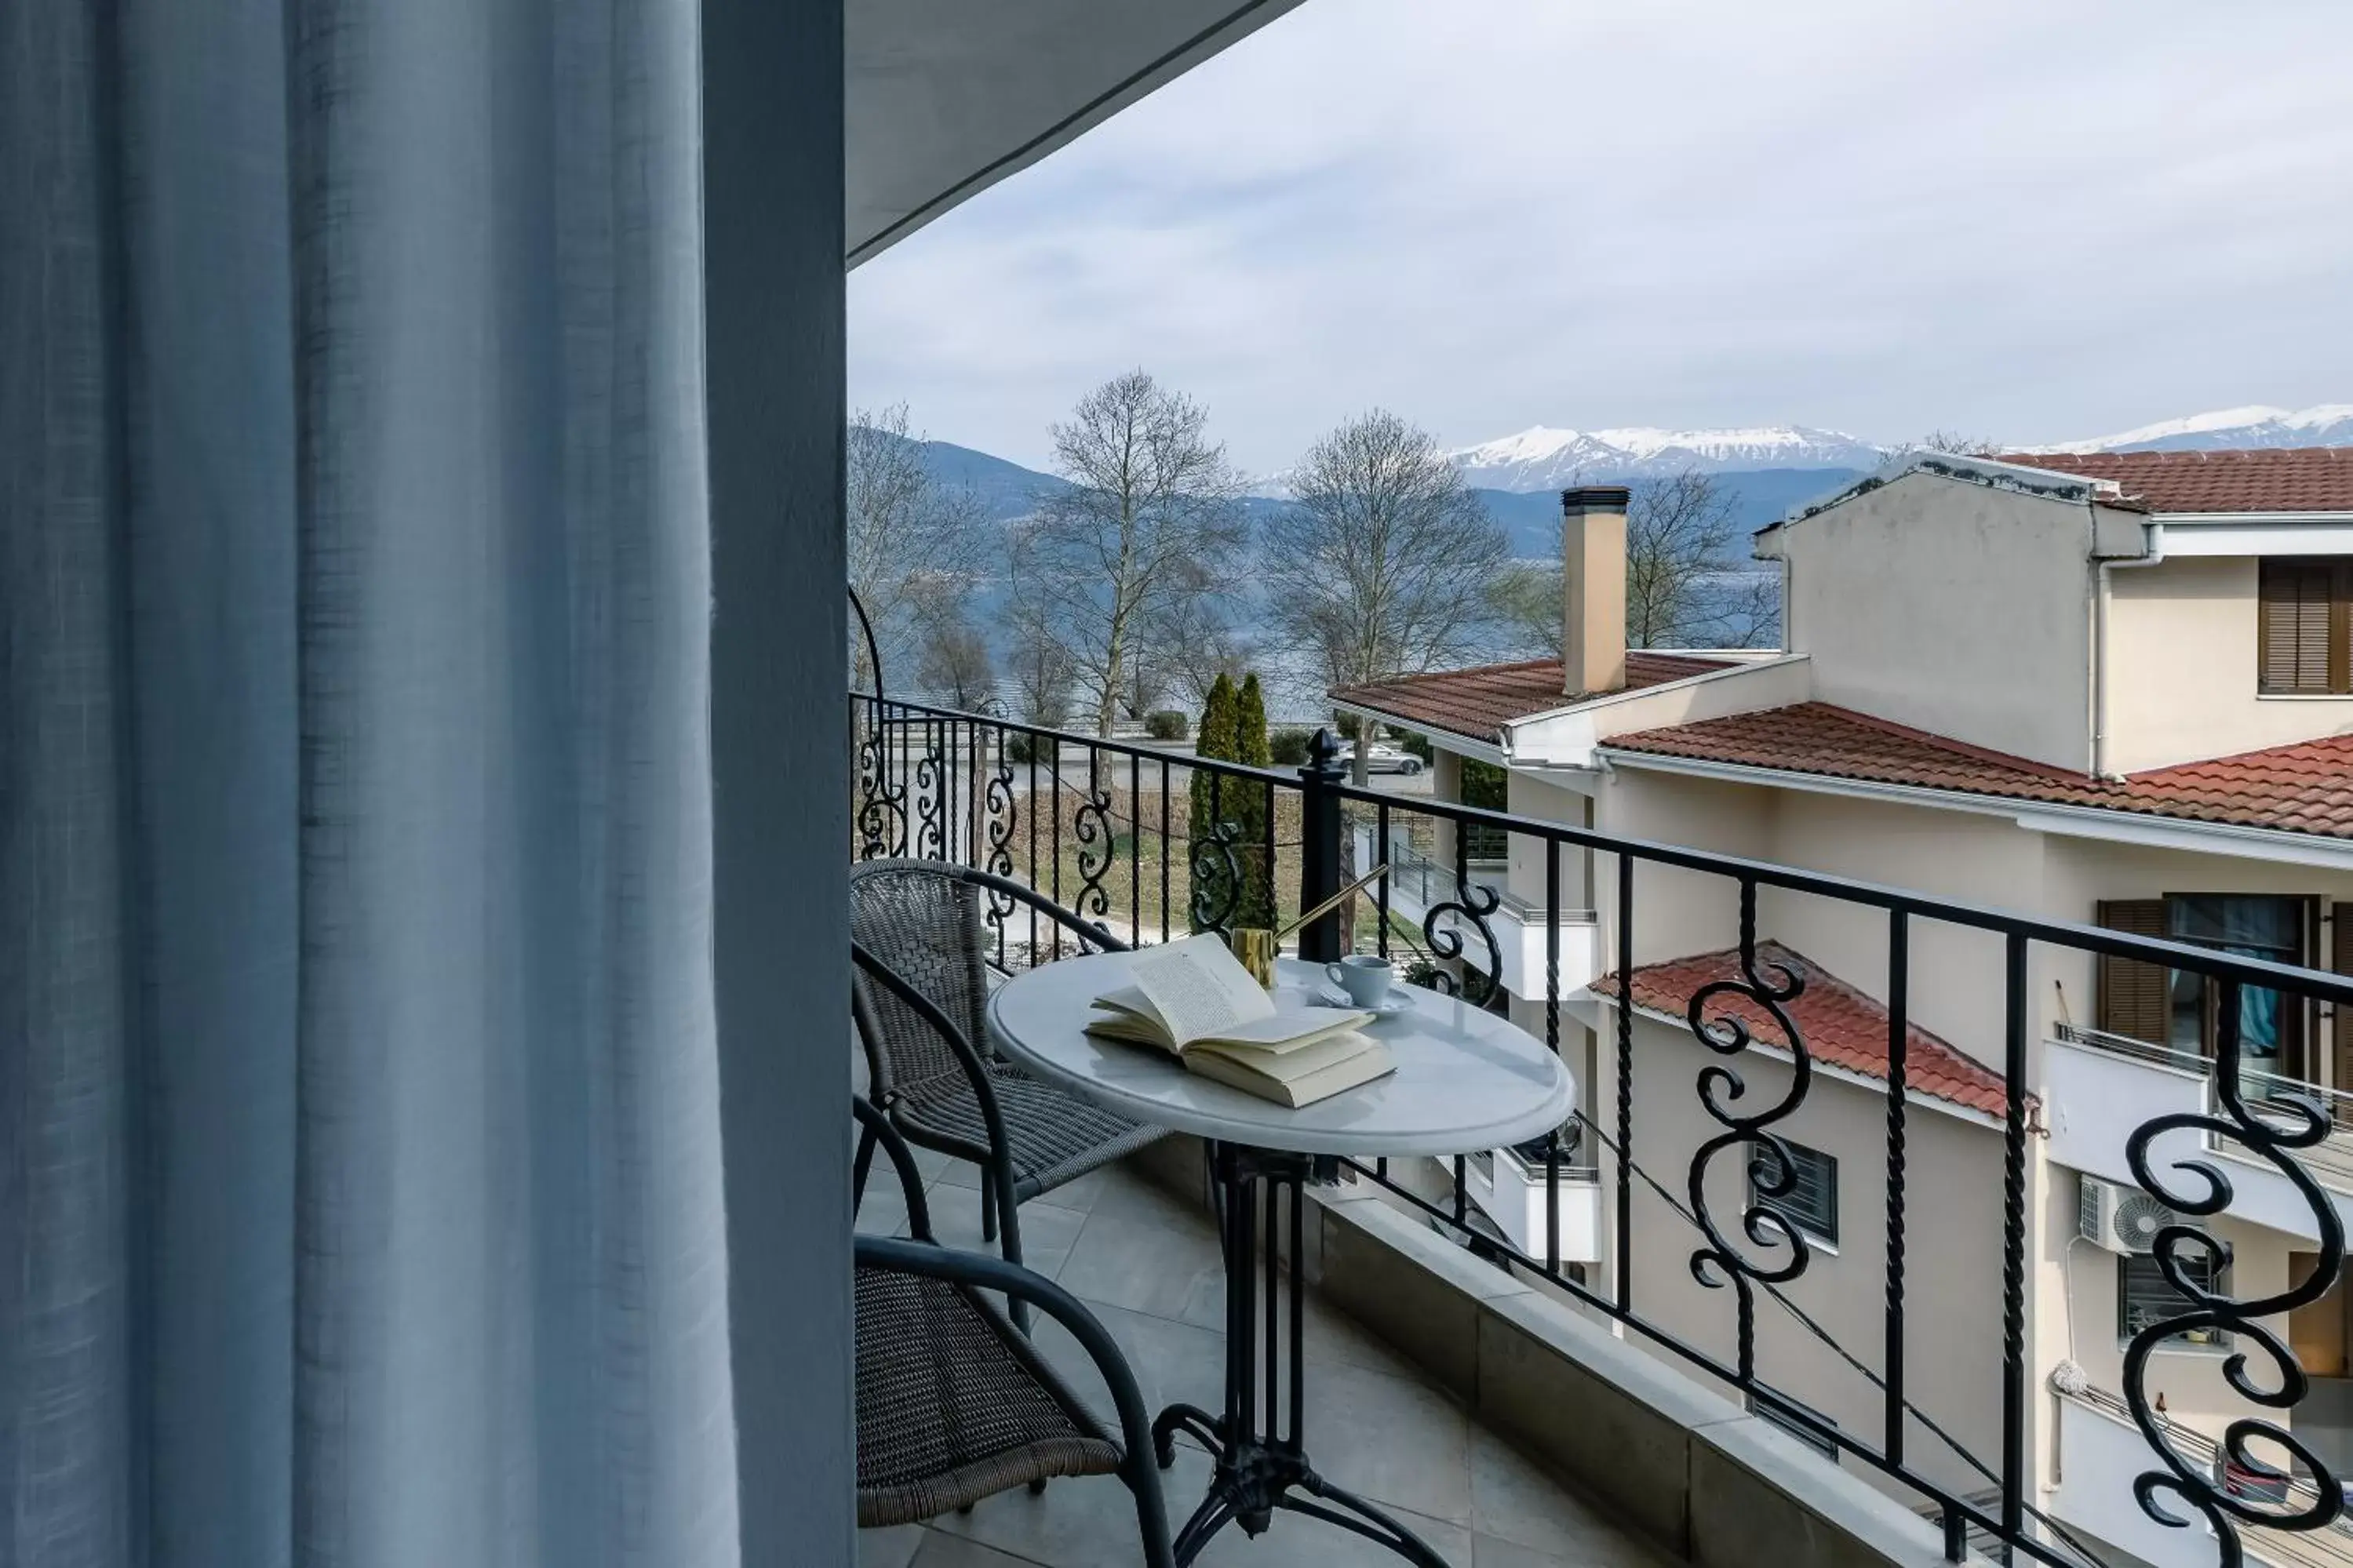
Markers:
1390,1005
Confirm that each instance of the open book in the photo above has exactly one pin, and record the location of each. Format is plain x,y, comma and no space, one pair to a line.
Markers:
1194,1000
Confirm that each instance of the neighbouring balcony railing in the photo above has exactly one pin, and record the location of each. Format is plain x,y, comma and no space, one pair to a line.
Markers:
2331,1159
1152,843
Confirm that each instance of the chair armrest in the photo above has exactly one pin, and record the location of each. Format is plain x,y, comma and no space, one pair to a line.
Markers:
902,1161
1022,893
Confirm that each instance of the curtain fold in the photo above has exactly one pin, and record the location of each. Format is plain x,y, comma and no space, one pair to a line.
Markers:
359,1163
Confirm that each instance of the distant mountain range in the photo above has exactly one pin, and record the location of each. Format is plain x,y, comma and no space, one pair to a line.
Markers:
1542,458
1766,470
2322,425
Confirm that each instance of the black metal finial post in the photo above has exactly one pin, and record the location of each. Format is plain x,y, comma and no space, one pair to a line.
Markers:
1322,940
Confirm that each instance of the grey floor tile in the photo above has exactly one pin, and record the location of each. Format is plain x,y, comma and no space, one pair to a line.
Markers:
1161,1265
883,1211
1295,1540
1046,1229
1081,1523
1170,1361
892,1547
1396,1440
953,1172
943,1549
1488,1552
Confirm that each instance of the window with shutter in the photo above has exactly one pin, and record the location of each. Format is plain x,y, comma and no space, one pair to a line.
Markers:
2305,625
2135,999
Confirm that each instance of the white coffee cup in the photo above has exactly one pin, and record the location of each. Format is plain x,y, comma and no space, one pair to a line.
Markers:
1365,976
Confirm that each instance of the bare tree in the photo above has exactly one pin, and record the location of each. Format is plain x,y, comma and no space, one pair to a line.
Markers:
955,665
1198,642
1383,564
1149,521
1954,442
914,544
1683,586
1041,672
1678,531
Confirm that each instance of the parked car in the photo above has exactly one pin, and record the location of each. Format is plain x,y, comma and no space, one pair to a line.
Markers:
1381,757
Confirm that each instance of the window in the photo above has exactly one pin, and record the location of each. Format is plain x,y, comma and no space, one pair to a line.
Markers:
2175,1008
2303,632
2144,1294
1812,1202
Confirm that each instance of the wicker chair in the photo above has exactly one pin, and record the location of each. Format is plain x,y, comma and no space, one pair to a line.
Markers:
954,1403
919,986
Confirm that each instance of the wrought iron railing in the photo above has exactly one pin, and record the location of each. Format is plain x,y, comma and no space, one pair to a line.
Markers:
1151,842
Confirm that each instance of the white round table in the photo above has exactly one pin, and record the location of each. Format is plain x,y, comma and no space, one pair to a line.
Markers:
1466,1080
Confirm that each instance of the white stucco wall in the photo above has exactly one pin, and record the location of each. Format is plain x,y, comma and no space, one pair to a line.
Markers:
1957,608
2180,670
1529,872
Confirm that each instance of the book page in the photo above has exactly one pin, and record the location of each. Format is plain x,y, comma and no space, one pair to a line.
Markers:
1198,988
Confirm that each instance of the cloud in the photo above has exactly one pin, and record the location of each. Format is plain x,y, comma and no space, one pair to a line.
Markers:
2021,220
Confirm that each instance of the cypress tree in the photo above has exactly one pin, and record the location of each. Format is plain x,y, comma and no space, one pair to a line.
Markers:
1257,905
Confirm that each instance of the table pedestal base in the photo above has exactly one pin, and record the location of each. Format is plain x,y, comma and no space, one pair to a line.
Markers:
1261,1463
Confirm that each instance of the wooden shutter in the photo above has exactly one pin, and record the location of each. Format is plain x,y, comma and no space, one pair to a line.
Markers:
2303,627
2133,999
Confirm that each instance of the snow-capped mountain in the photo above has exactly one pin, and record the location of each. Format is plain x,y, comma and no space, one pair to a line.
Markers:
2259,424
1544,459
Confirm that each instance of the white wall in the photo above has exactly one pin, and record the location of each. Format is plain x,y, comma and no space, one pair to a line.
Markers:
2181,667
1956,608
1528,872
1678,912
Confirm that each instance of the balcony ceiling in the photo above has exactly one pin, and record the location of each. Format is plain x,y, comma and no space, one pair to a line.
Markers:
947,96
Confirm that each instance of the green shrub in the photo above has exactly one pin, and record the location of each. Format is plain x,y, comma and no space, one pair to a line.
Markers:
1288,748
1167,724
1420,746
1020,747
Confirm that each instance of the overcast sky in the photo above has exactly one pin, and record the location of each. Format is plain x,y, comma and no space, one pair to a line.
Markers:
2017,221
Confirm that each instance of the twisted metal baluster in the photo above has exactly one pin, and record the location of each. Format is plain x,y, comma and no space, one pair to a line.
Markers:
2210,1309
1771,1171
1091,827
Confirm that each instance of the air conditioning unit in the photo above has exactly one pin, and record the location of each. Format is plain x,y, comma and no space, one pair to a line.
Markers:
2123,1218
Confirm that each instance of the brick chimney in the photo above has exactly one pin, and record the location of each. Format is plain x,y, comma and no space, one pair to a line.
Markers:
1593,588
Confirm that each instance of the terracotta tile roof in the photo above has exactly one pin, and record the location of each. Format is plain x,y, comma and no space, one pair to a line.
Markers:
1840,1026
1480,702
2305,787
2284,479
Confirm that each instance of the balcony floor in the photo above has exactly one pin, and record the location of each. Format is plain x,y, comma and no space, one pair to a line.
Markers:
1148,1267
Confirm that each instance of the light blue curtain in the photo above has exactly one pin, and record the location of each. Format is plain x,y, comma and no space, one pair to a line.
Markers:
359,1168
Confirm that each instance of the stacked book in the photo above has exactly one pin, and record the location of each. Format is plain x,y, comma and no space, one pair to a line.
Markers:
1194,1000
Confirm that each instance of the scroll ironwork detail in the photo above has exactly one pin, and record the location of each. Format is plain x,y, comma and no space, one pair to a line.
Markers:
2288,1122
1216,868
1769,986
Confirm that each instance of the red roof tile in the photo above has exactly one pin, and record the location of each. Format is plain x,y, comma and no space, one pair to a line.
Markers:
1840,1026
2306,787
2284,479
1480,702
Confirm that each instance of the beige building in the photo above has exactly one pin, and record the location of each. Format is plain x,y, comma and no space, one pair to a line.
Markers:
2110,689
